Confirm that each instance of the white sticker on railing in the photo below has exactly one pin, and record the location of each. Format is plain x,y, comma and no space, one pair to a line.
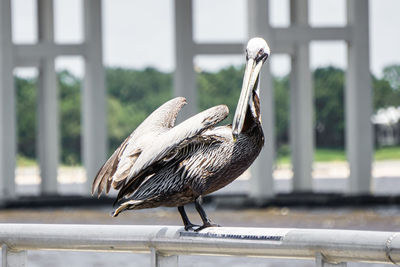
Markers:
239,233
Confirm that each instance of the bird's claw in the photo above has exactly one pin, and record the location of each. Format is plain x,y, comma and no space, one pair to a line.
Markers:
206,225
190,227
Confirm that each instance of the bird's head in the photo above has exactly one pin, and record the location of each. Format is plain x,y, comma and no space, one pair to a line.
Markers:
257,52
257,49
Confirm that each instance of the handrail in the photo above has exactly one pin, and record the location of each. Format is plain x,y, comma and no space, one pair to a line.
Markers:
330,245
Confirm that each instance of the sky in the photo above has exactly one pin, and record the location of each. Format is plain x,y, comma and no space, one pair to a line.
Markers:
138,34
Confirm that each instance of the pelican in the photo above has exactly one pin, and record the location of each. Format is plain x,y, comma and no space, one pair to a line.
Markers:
160,164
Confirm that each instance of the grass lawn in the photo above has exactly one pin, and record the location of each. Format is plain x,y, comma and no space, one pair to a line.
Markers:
330,155
23,161
388,153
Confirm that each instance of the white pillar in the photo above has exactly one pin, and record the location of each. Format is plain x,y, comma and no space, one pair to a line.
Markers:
94,95
321,261
7,105
185,77
301,104
12,258
262,181
48,127
359,140
160,260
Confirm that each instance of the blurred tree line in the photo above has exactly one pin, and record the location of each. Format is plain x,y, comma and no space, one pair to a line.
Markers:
133,94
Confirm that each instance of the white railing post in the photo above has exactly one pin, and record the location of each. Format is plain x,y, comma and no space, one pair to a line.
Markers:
161,260
321,261
13,258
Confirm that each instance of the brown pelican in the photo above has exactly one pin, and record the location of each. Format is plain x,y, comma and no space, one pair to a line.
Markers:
160,164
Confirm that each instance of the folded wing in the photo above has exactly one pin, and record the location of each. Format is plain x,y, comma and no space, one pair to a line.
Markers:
154,142
119,164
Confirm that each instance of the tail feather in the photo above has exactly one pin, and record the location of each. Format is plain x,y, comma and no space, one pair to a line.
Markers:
127,205
128,189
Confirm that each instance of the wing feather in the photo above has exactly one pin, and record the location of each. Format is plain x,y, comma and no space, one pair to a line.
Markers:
107,170
195,160
121,161
166,142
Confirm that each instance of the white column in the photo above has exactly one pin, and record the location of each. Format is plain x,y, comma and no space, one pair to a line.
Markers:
94,95
12,258
48,127
185,77
321,261
301,104
262,181
159,260
359,140
7,105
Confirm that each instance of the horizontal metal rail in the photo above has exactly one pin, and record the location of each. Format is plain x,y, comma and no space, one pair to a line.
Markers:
166,242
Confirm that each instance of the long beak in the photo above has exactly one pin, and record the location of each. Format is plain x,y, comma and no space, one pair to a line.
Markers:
249,81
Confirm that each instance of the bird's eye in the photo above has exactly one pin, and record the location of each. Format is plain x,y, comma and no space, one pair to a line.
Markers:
261,51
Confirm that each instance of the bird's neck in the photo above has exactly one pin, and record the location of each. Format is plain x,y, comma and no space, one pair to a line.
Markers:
252,118
254,104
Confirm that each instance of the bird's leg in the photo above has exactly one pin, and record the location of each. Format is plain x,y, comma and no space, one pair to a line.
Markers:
188,225
206,221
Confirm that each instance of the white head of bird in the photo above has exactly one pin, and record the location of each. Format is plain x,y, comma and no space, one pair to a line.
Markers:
257,52
257,48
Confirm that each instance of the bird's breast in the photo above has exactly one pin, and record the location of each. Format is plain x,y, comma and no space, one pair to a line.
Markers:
232,159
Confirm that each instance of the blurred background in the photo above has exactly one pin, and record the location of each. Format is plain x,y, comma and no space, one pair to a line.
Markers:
144,48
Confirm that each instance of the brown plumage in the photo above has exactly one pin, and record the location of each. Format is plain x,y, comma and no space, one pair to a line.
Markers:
160,164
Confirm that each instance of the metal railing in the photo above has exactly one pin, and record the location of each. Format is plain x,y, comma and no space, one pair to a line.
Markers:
165,243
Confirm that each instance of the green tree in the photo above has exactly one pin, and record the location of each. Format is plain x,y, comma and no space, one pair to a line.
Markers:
26,97
281,86
222,87
329,106
387,90
132,96
391,74
122,120
70,117
147,89
384,94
